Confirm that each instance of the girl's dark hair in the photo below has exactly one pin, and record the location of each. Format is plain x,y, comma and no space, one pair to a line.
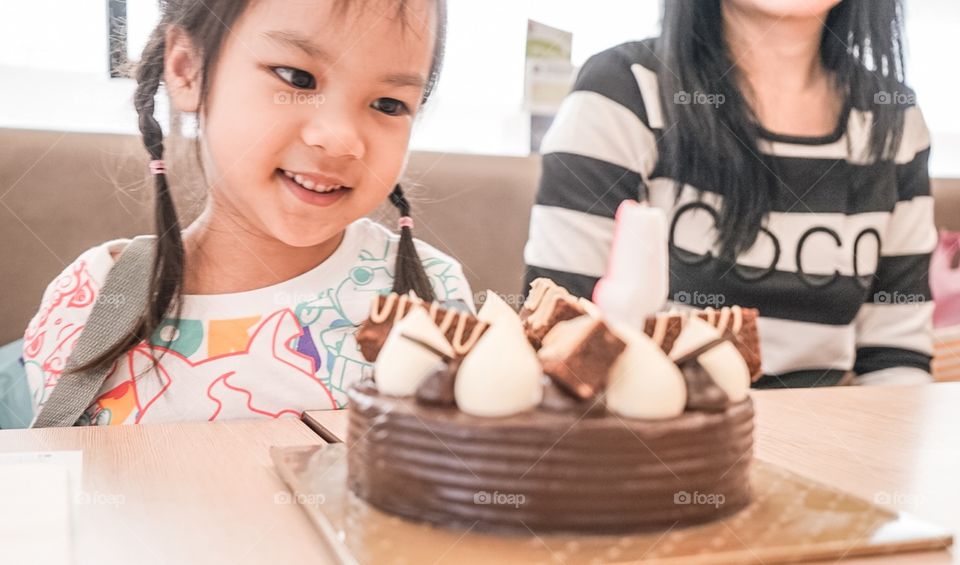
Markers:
862,47
206,23
409,274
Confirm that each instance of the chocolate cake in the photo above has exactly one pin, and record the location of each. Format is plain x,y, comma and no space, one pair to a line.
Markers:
600,430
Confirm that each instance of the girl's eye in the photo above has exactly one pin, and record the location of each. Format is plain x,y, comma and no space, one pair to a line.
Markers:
296,77
390,106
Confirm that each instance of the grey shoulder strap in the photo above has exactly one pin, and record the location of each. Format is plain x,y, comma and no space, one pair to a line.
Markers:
116,313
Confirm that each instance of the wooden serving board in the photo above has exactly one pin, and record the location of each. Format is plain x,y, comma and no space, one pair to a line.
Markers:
791,519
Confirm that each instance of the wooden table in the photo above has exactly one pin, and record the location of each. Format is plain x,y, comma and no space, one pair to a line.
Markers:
896,445
189,493
208,493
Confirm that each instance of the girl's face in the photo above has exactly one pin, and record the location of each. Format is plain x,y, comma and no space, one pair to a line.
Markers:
328,95
785,8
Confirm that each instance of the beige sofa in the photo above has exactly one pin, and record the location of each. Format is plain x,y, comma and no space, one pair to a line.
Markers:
61,193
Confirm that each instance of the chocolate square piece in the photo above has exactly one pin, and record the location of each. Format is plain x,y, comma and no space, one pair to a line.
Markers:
563,310
461,328
748,343
385,311
578,354
664,329
547,305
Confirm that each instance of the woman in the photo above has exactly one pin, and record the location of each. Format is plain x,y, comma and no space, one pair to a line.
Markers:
791,161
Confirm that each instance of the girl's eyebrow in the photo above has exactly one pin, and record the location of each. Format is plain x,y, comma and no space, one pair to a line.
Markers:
405,79
297,41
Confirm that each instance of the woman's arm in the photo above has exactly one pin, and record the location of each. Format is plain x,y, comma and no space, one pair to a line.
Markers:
894,327
599,152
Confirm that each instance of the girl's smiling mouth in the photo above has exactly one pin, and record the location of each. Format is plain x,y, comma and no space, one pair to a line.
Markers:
312,188
314,182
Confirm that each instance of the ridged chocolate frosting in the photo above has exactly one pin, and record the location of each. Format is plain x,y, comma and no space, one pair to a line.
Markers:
546,471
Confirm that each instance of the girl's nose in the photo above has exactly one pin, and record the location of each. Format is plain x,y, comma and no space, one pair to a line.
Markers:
336,132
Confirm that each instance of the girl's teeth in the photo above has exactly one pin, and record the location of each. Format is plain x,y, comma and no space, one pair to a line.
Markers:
309,184
300,180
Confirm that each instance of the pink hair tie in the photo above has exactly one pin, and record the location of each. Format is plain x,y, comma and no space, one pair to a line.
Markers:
405,222
158,167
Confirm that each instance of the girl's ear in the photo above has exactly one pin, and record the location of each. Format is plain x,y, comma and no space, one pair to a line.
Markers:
182,67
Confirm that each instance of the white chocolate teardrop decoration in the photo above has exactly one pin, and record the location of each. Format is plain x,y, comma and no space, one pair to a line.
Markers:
644,382
412,350
502,375
495,311
723,363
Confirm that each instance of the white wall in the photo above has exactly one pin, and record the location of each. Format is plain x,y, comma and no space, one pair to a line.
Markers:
53,67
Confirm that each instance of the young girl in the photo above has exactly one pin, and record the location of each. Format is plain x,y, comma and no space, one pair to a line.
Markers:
305,111
791,161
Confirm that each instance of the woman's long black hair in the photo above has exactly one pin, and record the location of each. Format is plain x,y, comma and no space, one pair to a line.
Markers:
862,47
206,23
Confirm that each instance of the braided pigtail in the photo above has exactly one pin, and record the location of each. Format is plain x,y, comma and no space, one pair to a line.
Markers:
167,280
409,273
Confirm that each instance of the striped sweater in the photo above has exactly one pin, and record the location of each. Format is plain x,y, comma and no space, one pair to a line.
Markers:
839,270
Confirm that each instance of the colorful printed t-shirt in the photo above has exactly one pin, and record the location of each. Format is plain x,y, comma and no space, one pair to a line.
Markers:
270,352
